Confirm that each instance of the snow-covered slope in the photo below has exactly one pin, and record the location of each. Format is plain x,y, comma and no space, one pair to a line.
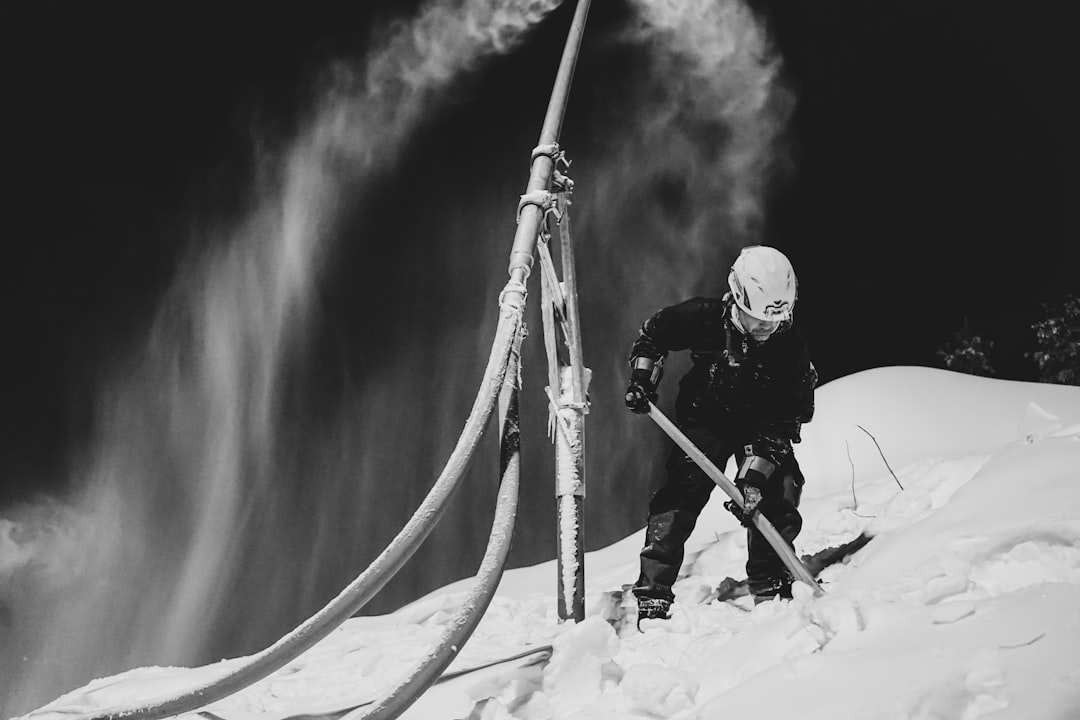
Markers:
917,412
965,605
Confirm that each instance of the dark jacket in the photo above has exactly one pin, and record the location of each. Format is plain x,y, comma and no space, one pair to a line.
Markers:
755,393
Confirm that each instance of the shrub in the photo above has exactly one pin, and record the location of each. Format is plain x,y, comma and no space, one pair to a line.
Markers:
1058,338
968,353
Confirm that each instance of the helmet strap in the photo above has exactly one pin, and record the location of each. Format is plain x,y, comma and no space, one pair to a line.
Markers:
735,319
734,357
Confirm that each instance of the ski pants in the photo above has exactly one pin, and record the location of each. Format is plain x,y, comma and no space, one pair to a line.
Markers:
675,507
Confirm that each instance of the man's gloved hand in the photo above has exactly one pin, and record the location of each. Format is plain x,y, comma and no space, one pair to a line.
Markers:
751,499
641,391
753,475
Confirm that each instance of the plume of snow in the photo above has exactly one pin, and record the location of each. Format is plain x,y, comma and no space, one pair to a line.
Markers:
180,483
716,66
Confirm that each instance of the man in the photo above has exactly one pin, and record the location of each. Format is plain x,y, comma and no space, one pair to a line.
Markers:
750,389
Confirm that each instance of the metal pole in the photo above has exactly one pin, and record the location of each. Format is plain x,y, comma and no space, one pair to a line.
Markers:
570,503
530,216
573,319
521,256
572,498
547,314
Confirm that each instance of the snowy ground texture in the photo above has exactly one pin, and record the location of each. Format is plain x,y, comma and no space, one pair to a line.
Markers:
965,605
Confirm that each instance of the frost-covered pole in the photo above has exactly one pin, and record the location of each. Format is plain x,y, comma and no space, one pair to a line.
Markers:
543,165
532,210
570,492
570,444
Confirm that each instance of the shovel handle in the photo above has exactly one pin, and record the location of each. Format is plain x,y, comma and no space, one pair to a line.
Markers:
798,570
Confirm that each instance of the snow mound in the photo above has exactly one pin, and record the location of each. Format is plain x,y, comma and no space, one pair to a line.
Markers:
966,603
915,413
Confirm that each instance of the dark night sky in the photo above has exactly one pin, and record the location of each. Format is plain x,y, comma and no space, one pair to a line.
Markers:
929,178
128,127
933,149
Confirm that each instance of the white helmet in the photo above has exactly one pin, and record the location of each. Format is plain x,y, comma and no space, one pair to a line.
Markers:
763,283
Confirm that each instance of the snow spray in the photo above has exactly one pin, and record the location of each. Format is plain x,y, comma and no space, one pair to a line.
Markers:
683,157
719,77
181,493
308,375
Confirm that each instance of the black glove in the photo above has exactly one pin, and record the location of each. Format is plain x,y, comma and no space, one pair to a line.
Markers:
641,391
751,499
753,475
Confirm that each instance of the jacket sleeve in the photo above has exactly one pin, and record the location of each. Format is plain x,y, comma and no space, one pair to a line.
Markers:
670,329
791,405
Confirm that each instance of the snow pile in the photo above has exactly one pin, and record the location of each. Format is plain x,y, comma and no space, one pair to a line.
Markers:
965,605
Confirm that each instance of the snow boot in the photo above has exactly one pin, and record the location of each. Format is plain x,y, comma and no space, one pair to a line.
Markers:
768,588
652,609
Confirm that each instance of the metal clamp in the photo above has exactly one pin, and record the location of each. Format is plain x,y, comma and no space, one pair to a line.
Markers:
581,407
546,201
558,419
514,286
561,182
550,150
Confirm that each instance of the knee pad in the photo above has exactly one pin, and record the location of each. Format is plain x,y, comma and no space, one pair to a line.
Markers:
793,482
